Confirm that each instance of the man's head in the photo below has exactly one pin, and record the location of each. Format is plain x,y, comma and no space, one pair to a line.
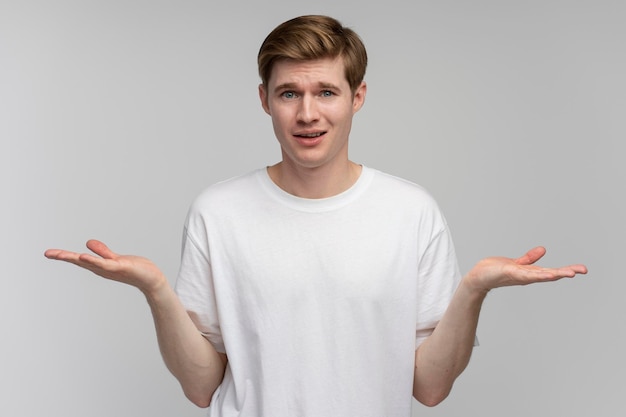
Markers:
308,38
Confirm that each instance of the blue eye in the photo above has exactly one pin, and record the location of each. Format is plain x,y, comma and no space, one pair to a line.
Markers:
289,94
327,93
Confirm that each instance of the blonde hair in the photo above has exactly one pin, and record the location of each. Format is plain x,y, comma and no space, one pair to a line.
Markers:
312,37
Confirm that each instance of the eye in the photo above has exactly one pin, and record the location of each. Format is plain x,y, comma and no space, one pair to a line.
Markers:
327,93
288,94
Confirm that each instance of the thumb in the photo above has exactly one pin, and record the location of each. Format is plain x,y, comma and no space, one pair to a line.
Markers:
101,249
531,256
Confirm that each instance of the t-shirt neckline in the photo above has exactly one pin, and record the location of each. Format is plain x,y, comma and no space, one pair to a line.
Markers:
316,204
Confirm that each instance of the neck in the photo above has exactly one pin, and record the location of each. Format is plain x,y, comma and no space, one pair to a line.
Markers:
319,182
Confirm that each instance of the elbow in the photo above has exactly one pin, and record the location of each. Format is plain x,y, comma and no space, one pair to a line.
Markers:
201,401
200,390
432,397
432,401
200,398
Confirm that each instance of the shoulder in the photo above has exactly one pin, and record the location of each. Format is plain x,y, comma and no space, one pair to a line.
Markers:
399,189
224,199
227,191
414,205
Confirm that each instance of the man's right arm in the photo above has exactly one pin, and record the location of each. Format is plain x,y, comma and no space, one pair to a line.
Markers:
188,355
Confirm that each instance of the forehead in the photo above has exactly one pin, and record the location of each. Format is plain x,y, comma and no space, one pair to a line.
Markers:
324,70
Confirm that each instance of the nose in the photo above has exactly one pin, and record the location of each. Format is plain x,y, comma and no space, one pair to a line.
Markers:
307,110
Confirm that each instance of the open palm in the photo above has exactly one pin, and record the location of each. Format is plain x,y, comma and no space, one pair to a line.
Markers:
133,270
496,272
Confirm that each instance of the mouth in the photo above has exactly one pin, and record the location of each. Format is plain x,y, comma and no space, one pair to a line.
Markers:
313,135
309,139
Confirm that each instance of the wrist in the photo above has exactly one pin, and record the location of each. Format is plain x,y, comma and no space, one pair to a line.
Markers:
157,290
471,287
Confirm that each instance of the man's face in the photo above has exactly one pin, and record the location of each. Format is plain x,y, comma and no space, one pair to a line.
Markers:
311,106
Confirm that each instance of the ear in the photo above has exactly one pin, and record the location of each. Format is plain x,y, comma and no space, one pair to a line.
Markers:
264,98
359,97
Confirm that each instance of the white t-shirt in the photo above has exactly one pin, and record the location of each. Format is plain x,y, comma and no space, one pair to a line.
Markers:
318,303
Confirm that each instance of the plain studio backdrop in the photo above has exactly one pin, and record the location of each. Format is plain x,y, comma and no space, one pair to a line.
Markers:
114,115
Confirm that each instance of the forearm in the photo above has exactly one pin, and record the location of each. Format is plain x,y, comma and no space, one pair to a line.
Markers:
187,354
442,357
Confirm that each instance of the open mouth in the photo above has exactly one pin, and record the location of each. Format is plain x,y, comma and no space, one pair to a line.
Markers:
309,139
310,135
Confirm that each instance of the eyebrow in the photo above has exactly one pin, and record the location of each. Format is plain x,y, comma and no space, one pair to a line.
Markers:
285,86
293,86
329,86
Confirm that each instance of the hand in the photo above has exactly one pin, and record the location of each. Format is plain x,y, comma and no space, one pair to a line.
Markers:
497,272
133,270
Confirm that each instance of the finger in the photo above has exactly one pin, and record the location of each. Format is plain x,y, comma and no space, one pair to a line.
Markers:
551,274
51,253
101,249
61,255
568,271
578,268
531,256
83,260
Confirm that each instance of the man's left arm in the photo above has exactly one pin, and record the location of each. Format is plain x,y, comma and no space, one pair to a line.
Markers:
441,358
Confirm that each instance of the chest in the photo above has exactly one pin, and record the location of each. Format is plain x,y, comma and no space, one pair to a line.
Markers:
317,259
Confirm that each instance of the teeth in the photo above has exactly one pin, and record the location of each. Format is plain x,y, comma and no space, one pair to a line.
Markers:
311,135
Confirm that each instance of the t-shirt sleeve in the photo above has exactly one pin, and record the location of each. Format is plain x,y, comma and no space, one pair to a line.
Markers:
438,277
195,286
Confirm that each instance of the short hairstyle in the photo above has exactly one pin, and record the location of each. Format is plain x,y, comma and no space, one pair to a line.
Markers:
312,37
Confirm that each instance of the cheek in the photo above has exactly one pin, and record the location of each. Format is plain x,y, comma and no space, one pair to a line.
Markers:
280,125
343,116
280,117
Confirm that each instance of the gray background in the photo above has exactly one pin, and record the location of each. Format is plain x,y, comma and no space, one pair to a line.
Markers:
115,114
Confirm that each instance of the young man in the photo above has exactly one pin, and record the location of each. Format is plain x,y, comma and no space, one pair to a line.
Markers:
316,286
